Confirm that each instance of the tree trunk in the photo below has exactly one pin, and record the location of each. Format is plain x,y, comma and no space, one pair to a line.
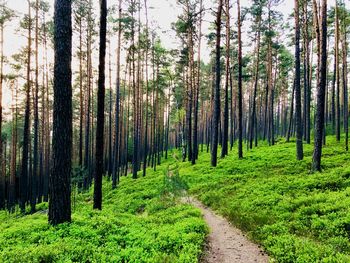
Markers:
198,83
60,203
35,176
100,108
319,124
224,150
240,95
25,152
145,154
216,114
256,80
116,150
345,86
337,74
299,135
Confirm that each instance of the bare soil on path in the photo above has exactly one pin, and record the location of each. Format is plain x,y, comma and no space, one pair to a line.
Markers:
227,244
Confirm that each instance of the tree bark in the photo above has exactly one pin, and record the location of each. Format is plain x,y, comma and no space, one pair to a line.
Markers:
319,125
25,148
240,95
299,135
216,114
116,150
60,190
224,149
35,174
100,108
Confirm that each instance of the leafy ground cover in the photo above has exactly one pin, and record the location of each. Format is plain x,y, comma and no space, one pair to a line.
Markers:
141,221
298,216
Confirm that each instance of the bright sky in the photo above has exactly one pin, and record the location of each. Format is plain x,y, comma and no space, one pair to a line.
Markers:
162,13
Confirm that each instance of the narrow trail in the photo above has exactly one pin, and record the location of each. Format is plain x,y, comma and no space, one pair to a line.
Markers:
227,244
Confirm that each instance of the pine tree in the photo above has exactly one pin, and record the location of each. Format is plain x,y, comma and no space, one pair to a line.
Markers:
100,108
60,190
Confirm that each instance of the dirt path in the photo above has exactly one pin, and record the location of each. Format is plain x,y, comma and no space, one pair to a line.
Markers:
227,244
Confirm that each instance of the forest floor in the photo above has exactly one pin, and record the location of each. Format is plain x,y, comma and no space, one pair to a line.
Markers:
277,202
294,214
141,221
226,243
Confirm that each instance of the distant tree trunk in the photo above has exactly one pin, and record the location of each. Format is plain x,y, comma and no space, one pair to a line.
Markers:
12,182
88,104
224,150
270,86
116,150
60,203
189,84
299,137
135,100
307,92
109,159
145,154
240,95
25,151
168,124
216,113
198,83
333,93
80,161
345,86
100,108
337,74
256,80
47,142
319,125
35,174
232,112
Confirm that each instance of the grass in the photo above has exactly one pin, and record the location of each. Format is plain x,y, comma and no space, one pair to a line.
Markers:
141,221
298,216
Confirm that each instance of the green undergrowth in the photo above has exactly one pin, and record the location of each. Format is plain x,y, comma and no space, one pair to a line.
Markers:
141,221
298,216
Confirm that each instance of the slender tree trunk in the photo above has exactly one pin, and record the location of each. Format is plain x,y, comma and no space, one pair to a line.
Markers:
299,137
345,86
333,94
240,95
216,113
25,150
319,125
224,150
80,161
116,150
88,104
135,100
337,74
256,80
100,108
291,116
35,176
12,183
198,83
145,154
307,91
